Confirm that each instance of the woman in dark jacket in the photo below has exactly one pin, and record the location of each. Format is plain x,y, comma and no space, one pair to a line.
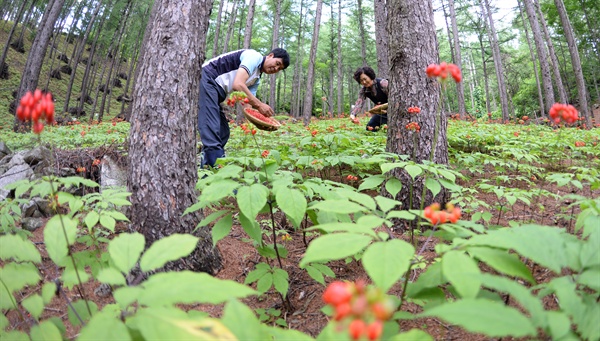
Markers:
376,89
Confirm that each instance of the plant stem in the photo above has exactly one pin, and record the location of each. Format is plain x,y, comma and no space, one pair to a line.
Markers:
274,234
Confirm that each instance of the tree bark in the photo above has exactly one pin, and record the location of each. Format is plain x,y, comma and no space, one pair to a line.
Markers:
4,74
411,24
381,38
216,36
497,61
296,79
562,93
232,18
456,56
542,55
310,78
249,22
162,147
363,35
274,44
340,67
35,59
534,61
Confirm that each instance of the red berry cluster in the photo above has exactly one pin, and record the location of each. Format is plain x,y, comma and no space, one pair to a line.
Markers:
314,133
566,112
351,178
579,144
365,307
413,126
264,154
435,216
355,121
442,70
237,96
35,106
414,110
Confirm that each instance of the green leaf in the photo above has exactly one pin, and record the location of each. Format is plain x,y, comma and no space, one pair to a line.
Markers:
211,217
433,185
125,250
393,186
293,203
458,268
413,334
386,167
108,222
46,330
111,276
590,253
48,292
91,219
386,204
413,170
502,261
15,276
242,322
371,182
34,305
315,274
125,296
104,326
280,281
158,323
338,206
251,228
346,245
324,269
81,307
221,229
54,237
21,250
559,324
167,249
590,278
251,199
406,215
218,190
386,262
256,274
264,283
345,227
188,287
483,316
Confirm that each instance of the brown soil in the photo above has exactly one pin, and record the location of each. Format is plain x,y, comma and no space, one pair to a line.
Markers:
304,294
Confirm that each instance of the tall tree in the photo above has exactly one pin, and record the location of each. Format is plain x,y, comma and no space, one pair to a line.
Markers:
340,66
456,57
542,55
295,110
3,66
35,58
310,78
411,24
562,93
249,22
575,61
216,36
274,44
162,147
381,38
533,60
497,59
363,34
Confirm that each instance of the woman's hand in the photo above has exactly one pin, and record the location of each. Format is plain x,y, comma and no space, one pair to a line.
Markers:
265,110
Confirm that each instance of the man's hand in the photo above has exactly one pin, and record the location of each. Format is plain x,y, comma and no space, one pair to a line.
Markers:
352,116
265,110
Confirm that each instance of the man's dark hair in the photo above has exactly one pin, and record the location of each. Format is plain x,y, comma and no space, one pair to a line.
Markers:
367,70
281,53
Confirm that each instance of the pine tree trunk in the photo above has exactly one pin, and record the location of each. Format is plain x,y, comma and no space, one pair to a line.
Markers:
542,55
232,18
35,58
216,36
249,22
162,147
554,64
413,25
575,61
363,35
274,44
310,78
381,39
340,68
533,60
296,79
497,61
456,56
3,66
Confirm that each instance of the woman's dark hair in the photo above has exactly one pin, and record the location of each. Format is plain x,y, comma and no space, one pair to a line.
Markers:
367,70
281,53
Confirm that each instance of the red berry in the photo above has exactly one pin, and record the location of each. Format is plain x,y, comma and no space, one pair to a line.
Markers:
374,330
357,328
337,293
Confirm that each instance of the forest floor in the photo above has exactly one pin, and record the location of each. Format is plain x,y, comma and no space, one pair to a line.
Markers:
240,257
